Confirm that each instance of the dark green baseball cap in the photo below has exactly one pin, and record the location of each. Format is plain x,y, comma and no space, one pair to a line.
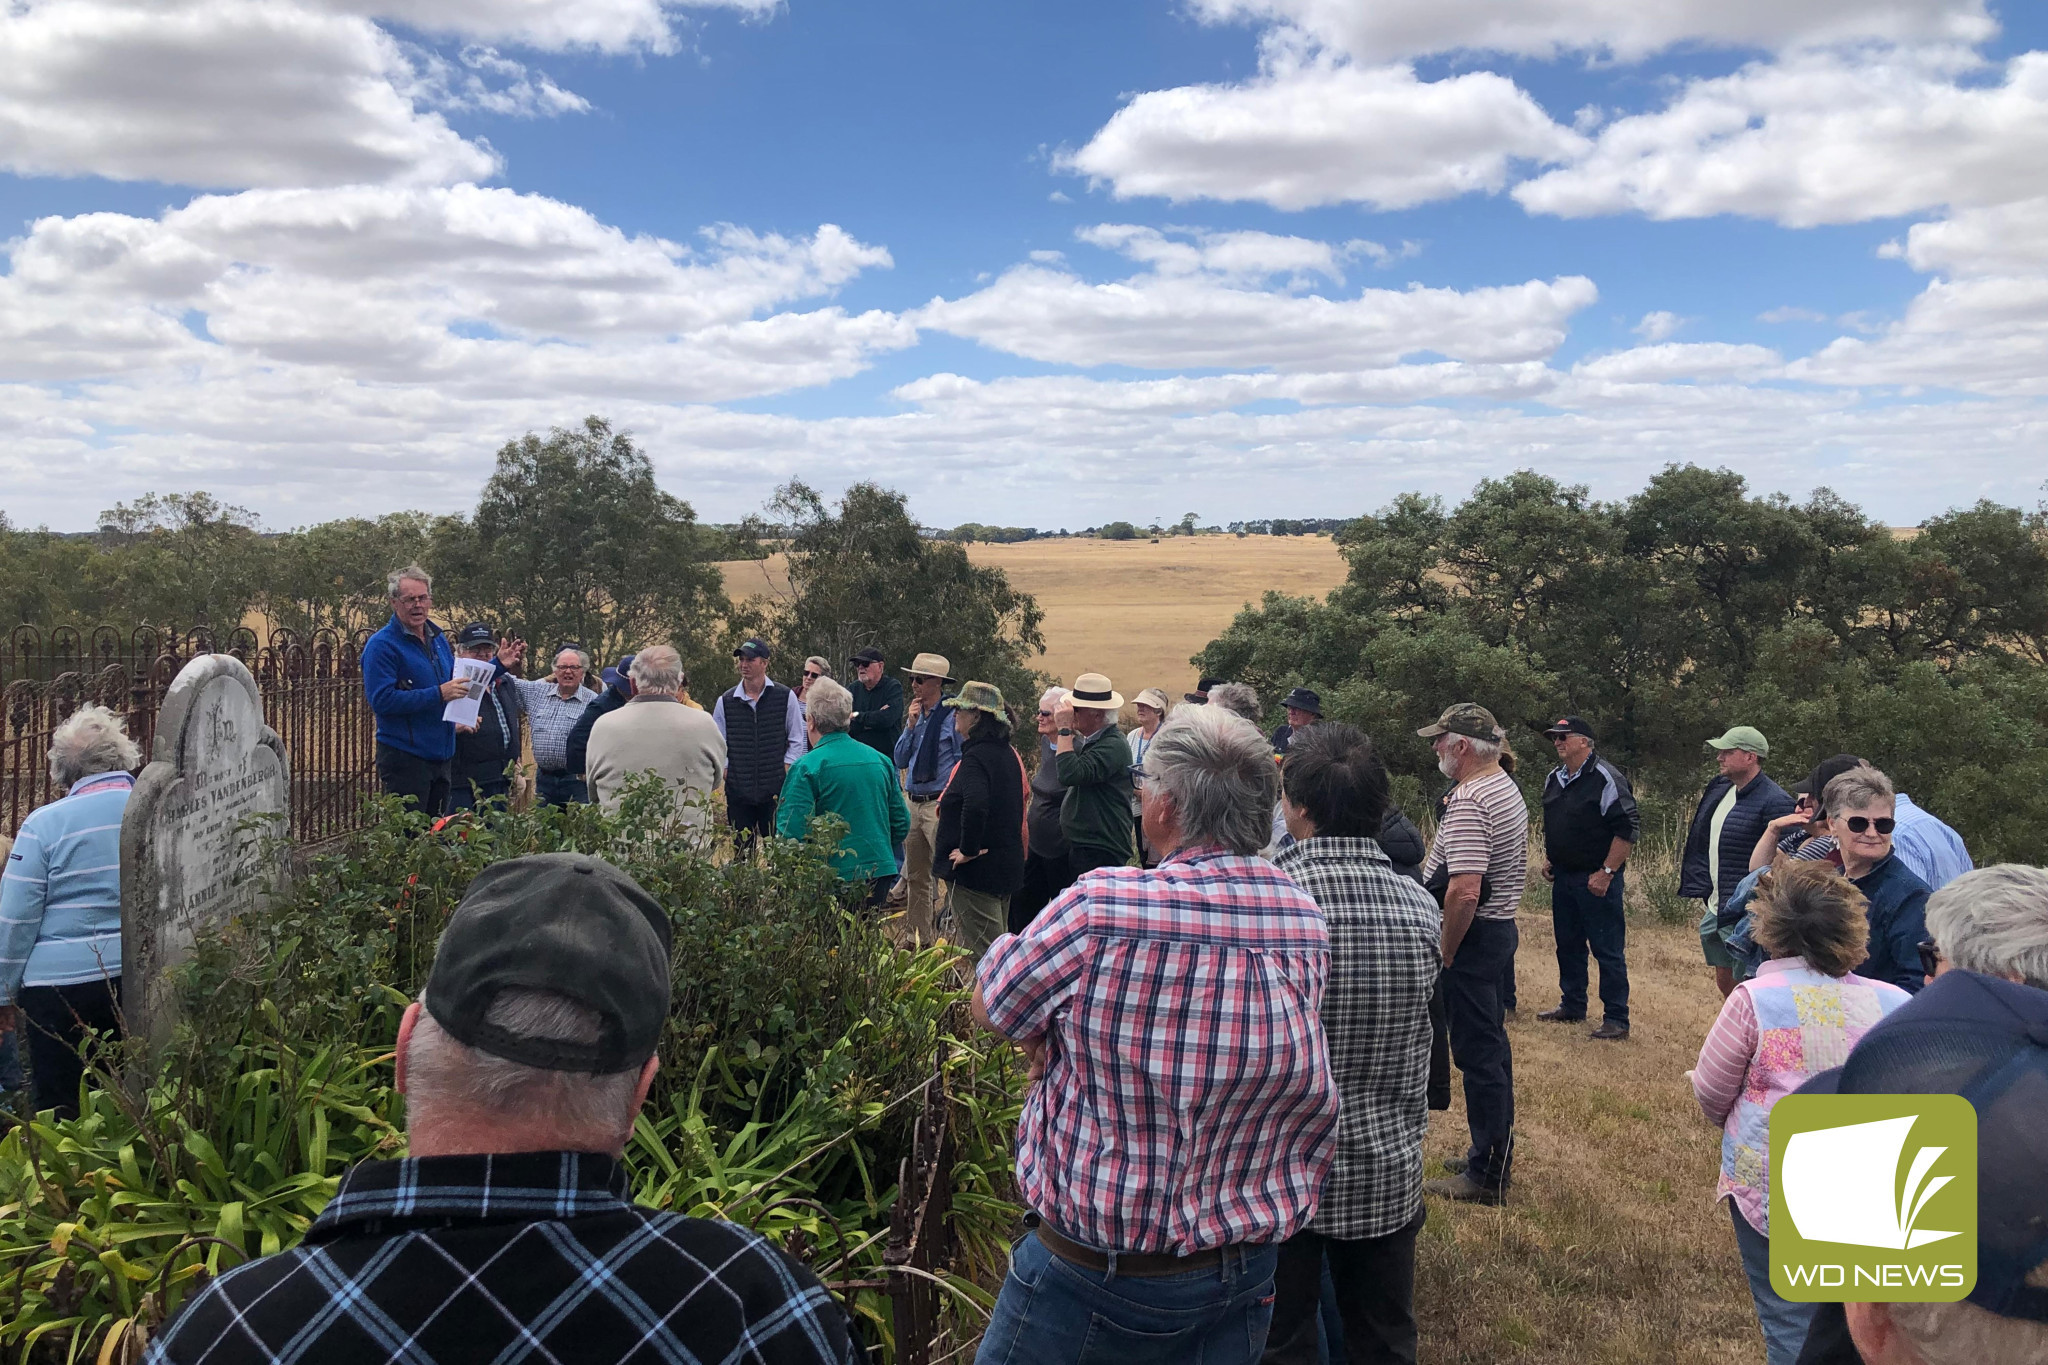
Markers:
1467,718
561,922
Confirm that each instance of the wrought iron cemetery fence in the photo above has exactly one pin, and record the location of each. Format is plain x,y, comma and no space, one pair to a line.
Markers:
312,688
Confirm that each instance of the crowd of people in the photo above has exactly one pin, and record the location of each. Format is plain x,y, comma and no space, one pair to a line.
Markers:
1238,975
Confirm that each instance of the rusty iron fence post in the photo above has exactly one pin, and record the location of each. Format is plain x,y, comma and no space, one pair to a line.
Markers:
312,690
920,1230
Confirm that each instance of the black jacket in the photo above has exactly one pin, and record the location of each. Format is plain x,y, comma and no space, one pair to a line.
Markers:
1761,802
482,755
877,714
983,810
1583,818
576,748
1403,844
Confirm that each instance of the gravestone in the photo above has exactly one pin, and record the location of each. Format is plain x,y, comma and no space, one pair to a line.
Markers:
193,839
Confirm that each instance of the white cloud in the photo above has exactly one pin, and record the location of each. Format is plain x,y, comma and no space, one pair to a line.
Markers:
1206,302
466,289
1790,313
1819,137
1310,130
2007,239
554,25
1681,360
1984,335
1659,325
1385,30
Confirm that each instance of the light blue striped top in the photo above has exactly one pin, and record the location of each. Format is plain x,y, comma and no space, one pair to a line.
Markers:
60,897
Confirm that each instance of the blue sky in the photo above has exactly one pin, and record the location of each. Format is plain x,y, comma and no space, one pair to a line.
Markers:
1037,264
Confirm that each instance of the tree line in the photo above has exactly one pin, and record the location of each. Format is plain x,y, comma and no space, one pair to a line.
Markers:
1665,617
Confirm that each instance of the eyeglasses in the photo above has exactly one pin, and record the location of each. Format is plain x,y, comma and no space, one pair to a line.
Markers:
1045,715
1930,956
1859,823
1138,771
810,676
415,599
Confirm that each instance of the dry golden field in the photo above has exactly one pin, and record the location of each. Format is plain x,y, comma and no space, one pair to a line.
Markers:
1130,608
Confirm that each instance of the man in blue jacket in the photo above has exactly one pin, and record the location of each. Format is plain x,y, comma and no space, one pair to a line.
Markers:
1732,813
409,677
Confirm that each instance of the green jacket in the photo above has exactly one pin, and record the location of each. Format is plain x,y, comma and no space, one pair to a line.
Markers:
1096,811
843,777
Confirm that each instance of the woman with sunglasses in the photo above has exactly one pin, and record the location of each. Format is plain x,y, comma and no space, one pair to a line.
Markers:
1860,806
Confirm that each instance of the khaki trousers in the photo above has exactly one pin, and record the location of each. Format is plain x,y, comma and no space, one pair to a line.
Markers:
983,917
923,894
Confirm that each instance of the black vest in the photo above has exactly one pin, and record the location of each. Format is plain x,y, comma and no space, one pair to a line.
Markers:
756,739
481,755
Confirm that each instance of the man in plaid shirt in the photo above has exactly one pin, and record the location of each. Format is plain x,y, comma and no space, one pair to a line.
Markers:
507,1235
1183,1114
1384,936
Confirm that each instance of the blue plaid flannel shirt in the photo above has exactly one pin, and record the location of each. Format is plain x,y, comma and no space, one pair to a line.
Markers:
535,1256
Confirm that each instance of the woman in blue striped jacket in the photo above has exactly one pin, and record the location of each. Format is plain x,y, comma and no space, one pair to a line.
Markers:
60,905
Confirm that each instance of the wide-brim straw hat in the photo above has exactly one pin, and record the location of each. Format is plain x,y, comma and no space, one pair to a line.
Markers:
978,696
1092,691
932,666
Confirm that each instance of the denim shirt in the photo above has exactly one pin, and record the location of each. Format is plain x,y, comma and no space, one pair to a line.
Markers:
949,751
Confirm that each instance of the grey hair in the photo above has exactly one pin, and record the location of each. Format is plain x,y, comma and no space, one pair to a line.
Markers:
658,668
1485,750
582,655
91,740
584,1112
818,662
411,571
829,706
1218,771
1051,698
1856,789
1964,1334
1994,920
1239,699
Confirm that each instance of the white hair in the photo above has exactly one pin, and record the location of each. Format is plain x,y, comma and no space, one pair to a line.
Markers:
1051,698
573,1109
1218,770
412,573
1993,920
581,656
1240,699
1485,750
829,706
658,668
91,740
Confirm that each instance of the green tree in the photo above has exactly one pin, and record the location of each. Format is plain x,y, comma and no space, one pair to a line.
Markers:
333,575
184,559
860,574
573,541
1118,530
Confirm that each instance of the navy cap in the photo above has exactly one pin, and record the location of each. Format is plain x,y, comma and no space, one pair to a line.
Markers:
561,922
1987,1040
1301,699
1570,725
475,633
753,649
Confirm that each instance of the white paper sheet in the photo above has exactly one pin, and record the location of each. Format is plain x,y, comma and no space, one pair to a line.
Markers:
477,673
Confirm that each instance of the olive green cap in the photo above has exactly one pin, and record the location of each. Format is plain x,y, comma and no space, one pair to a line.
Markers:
1744,737
979,696
1467,718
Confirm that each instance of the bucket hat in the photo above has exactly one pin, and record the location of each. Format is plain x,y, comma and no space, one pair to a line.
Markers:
978,696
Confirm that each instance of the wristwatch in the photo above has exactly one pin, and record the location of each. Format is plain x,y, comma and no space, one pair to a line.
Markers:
1610,871
1066,730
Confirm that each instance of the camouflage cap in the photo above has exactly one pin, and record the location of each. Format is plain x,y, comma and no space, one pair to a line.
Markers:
1467,718
979,696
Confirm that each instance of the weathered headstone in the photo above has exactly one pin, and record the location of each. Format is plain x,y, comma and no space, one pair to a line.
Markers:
193,839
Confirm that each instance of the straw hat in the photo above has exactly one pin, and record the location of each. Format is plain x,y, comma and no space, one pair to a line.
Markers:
1092,690
931,666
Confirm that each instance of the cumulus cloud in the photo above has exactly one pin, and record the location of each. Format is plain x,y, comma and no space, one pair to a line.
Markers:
468,289
2005,239
1818,137
1389,29
1311,129
1674,360
1211,301
1659,325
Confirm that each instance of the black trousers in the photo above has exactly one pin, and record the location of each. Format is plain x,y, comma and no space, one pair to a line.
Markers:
469,793
751,818
1479,1045
1584,920
425,780
1082,860
55,1020
1044,878
1375,1282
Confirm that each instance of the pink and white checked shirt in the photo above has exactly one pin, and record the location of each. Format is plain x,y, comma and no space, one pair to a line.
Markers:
1187,1101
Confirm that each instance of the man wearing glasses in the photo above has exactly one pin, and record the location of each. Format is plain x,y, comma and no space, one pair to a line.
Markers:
553,706
409,677
877,703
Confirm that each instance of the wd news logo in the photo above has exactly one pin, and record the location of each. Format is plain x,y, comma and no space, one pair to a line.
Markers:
1873,1198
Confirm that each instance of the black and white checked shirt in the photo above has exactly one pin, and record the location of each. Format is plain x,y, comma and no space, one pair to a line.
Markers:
531,1257
1385,950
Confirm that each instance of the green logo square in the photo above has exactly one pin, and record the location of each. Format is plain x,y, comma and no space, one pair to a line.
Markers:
1873,1198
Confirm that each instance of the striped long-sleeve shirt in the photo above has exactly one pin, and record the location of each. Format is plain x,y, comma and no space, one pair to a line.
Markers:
60,897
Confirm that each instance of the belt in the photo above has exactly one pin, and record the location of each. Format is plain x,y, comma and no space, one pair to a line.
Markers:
1144,1265
920,800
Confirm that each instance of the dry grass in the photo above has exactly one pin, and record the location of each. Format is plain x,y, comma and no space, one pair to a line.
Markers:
1609,1248
1130,608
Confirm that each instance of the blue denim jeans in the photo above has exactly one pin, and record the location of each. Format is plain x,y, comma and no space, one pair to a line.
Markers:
11,1075
1053,1312
558,788
1784,1323
1585,921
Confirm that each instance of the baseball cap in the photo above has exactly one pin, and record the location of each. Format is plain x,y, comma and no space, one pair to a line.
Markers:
753,649
1570,725
1987,1040
1467,718
475,633
1815,783
562,922
870,655
1745,737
